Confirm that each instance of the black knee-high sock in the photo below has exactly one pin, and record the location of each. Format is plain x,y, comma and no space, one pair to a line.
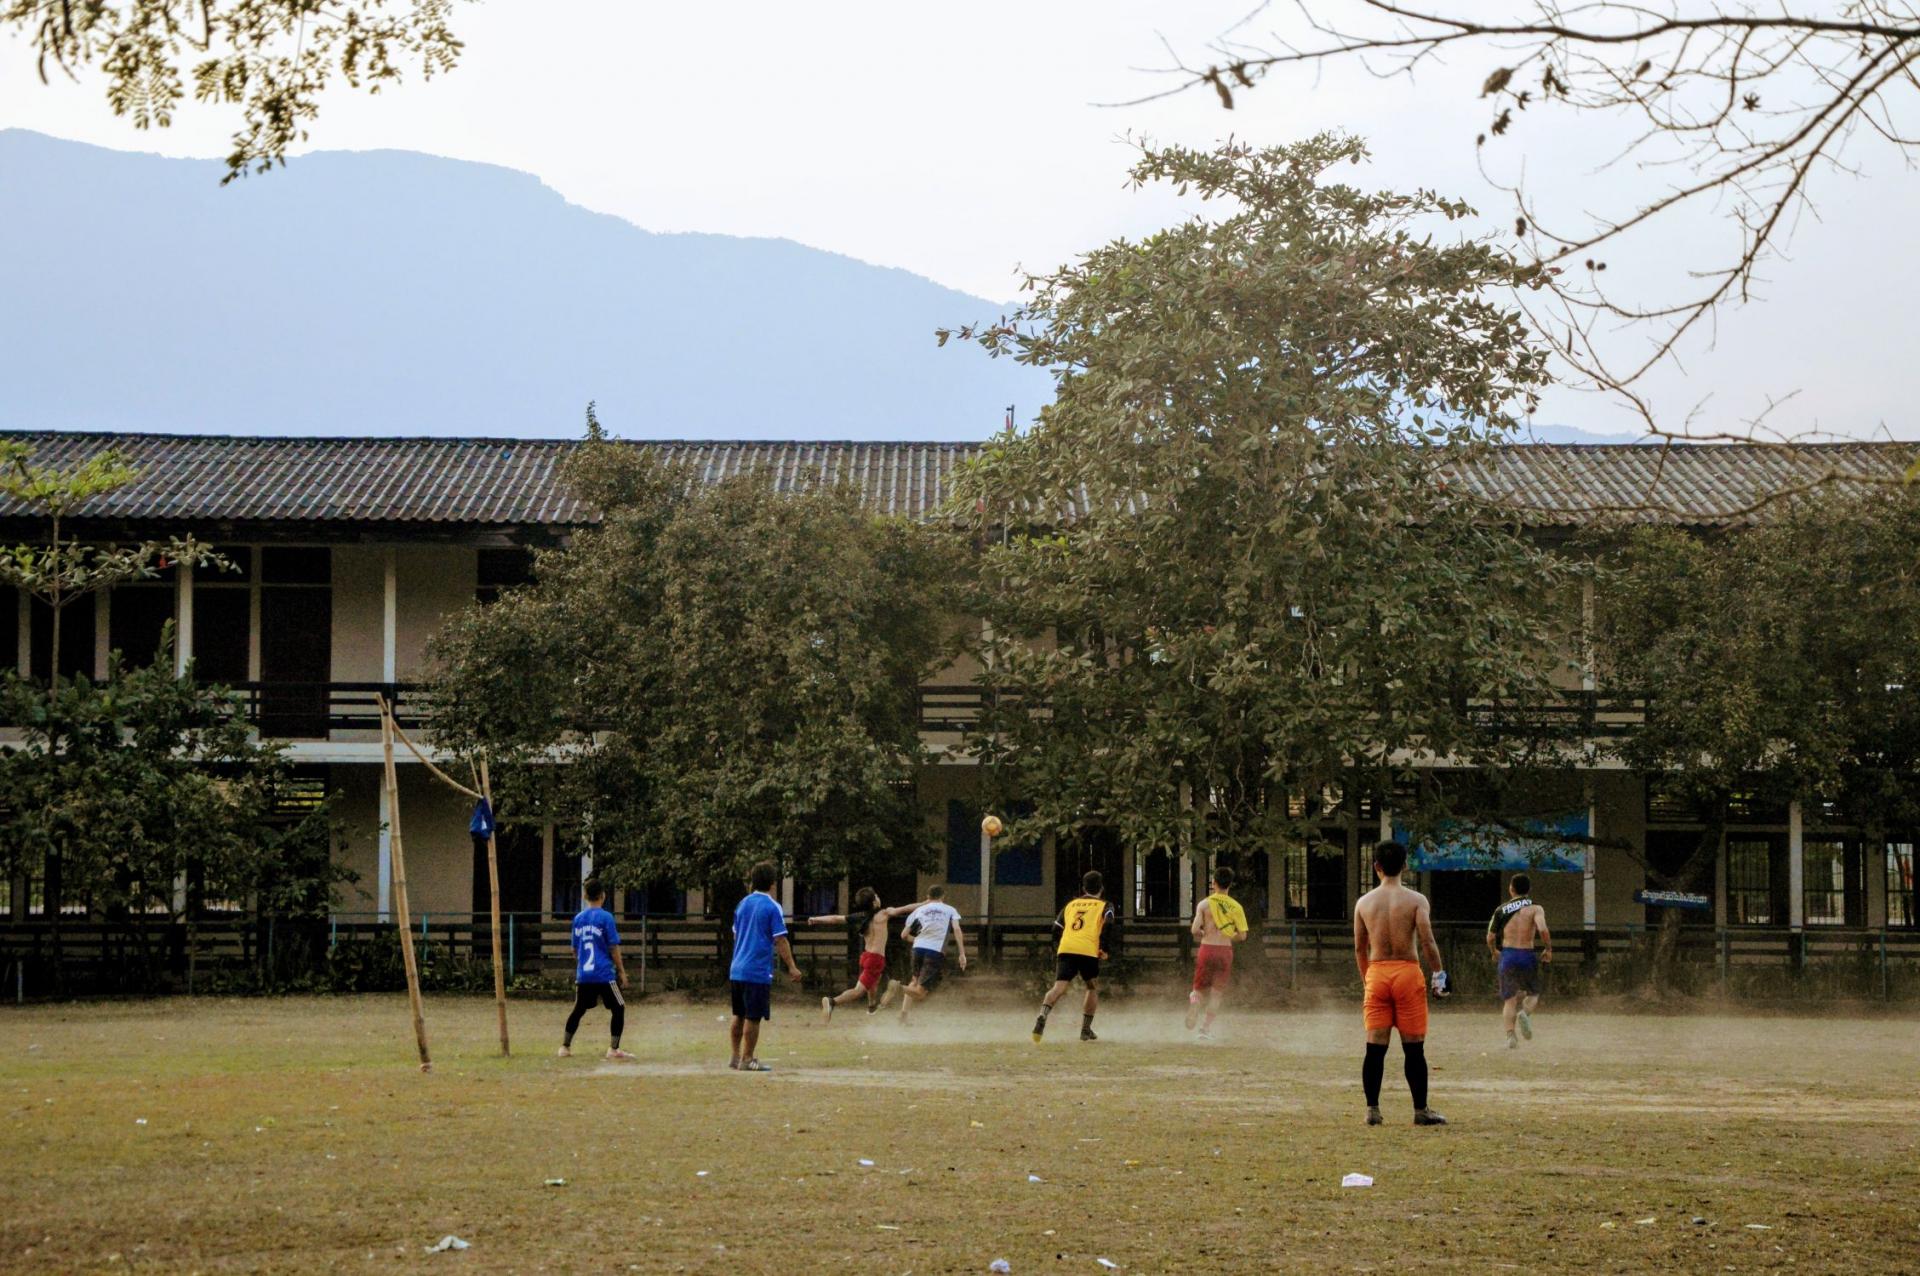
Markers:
1372,1070
619,1021
1417,1072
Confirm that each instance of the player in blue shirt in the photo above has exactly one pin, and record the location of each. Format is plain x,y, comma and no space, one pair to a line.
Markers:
759,932
599,971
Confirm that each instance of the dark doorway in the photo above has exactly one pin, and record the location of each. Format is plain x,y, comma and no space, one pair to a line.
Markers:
1160,884
1327,877
518,846
296,661
1464,895
1667,852
1094,848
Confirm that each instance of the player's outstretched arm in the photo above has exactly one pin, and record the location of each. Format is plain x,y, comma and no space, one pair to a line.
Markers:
823,919
900,910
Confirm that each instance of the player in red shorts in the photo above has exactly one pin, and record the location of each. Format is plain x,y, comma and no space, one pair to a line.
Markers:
868,922
1218,923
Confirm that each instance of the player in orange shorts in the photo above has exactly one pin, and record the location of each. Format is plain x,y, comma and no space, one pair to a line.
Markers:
1389,920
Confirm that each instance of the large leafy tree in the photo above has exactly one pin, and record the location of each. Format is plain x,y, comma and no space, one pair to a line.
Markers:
729,671
1777,664
131,786
1225,575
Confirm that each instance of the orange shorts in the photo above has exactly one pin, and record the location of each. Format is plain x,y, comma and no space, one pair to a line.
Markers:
1397,997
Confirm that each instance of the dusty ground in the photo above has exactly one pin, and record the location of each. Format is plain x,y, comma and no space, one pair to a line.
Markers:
296,1135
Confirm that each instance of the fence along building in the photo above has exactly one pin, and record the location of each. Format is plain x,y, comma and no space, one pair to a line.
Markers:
352,552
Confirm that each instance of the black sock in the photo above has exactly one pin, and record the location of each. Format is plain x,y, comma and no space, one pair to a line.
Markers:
1416,1052
1372,1069
1045,1010
1086,1022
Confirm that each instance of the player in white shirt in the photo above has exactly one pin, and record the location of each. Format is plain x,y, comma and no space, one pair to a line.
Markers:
927,927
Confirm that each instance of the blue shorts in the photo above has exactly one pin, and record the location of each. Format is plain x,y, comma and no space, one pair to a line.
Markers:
1519,972
929,967
752,1001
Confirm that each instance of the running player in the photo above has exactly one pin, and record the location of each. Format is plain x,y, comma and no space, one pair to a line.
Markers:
1218,923
1386,924
599,970
928,929
1084,924
868,922
1510,936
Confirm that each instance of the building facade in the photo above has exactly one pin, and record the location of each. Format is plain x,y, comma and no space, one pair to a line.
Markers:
348,555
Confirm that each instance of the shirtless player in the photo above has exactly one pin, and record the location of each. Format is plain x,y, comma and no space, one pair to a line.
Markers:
1510,936
1218,924
869,921
1386,924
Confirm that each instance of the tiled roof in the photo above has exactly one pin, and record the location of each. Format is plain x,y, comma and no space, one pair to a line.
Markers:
517,481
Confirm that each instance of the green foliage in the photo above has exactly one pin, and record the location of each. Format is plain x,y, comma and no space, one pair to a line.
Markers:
1777,662
1227,558
144,777
271,58
730,672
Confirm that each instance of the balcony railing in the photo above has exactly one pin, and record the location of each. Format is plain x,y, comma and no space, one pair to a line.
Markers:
318,710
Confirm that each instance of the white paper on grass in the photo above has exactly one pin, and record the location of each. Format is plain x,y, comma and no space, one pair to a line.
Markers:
1357,1180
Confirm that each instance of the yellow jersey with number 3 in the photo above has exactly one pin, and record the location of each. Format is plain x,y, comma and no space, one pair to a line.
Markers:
1081,924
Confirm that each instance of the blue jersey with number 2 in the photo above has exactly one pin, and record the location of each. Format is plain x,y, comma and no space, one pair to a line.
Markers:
593,938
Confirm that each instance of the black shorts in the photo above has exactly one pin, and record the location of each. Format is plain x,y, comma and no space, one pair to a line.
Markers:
929,967
752,1001
1070,964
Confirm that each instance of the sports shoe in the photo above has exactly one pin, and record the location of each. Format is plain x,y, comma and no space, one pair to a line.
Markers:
754,1065
1086,1034
1374,1117
1513,1042
1203,1035
1526,1025
617,1055
826,1011
1427,1116
1039,1029
564,1052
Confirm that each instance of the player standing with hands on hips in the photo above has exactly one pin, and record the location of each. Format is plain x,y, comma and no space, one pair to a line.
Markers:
599,972
1388,921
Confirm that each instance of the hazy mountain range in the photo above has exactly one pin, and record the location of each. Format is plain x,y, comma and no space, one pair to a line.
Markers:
388,292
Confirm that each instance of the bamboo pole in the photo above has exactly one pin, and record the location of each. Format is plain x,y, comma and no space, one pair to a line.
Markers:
387,729
493,880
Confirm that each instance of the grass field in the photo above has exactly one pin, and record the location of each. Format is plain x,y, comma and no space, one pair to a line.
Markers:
297,1135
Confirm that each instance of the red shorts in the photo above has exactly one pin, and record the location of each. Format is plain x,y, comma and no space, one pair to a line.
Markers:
872,966
1211,967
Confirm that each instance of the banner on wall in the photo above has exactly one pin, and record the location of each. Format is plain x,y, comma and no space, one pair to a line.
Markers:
1532,846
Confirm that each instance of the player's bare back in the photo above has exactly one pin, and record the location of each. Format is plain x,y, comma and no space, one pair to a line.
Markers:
1389,915
1521,927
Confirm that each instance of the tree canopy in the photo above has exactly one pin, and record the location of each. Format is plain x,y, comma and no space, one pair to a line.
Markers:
731,673
1227,561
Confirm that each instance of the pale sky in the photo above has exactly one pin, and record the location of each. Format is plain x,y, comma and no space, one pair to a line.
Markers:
963,142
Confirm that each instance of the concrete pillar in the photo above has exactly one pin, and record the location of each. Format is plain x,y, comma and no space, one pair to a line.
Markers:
390,617
1589,890
102,638
1186,854
546,870
182,618
385,888
1796,867
1720,914
986,878
1873,881
23,649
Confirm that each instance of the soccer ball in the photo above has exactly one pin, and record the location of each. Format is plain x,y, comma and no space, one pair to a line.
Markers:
991,826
